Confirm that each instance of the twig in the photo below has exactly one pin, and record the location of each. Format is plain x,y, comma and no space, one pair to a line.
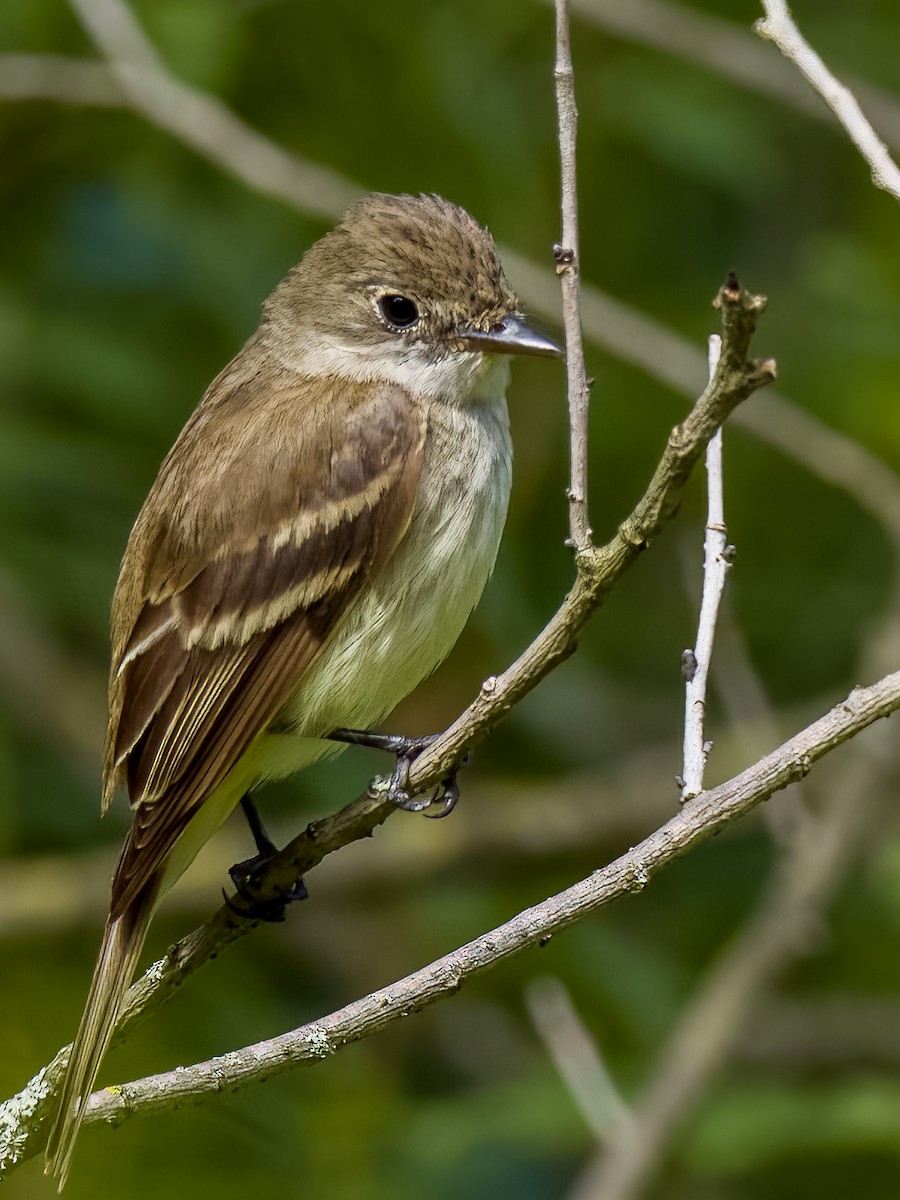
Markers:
665,355
697,820
729,50
716,563
779,27
567,267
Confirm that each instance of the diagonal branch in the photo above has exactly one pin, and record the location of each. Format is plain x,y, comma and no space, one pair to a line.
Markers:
779,27
23,1118
698,819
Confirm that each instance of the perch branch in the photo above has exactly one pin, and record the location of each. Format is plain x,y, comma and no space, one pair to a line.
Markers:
23,1118
698,819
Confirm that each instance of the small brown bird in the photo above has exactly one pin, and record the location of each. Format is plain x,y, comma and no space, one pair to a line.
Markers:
310,550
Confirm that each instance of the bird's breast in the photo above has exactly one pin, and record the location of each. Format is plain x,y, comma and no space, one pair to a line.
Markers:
406,619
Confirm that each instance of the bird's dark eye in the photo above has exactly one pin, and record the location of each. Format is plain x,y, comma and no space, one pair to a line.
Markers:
399,311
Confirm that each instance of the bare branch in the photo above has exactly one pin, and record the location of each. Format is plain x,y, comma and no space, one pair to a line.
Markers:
22,1119
779,27
697,820
568,269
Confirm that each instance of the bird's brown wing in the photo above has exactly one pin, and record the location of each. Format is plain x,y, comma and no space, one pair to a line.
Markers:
216,621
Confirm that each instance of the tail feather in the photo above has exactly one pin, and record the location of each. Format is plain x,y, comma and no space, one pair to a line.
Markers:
122,942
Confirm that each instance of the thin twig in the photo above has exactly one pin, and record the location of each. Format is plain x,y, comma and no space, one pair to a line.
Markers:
568,269
728,49
779,27
716,563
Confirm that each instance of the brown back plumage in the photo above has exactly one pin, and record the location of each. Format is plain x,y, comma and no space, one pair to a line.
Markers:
215,627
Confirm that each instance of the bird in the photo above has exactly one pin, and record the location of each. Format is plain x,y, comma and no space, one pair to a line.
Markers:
310,550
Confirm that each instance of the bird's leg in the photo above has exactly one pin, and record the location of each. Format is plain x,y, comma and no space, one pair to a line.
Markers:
406,750
264,843
244,874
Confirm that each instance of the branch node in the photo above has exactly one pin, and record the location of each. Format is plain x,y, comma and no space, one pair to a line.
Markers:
564,257
640,877
799,768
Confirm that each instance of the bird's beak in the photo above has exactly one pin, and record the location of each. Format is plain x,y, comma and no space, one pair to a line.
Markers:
511,336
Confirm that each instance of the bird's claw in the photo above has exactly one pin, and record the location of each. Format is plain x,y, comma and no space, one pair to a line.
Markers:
247,904
443,799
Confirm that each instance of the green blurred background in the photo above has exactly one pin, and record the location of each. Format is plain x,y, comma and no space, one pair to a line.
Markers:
132,269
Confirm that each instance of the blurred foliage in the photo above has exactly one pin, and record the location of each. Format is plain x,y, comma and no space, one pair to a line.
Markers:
132,270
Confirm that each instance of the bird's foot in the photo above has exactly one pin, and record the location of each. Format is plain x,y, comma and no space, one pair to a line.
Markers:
246,876
442,799
247,903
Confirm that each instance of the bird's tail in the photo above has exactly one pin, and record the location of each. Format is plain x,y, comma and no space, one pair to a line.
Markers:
122,942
